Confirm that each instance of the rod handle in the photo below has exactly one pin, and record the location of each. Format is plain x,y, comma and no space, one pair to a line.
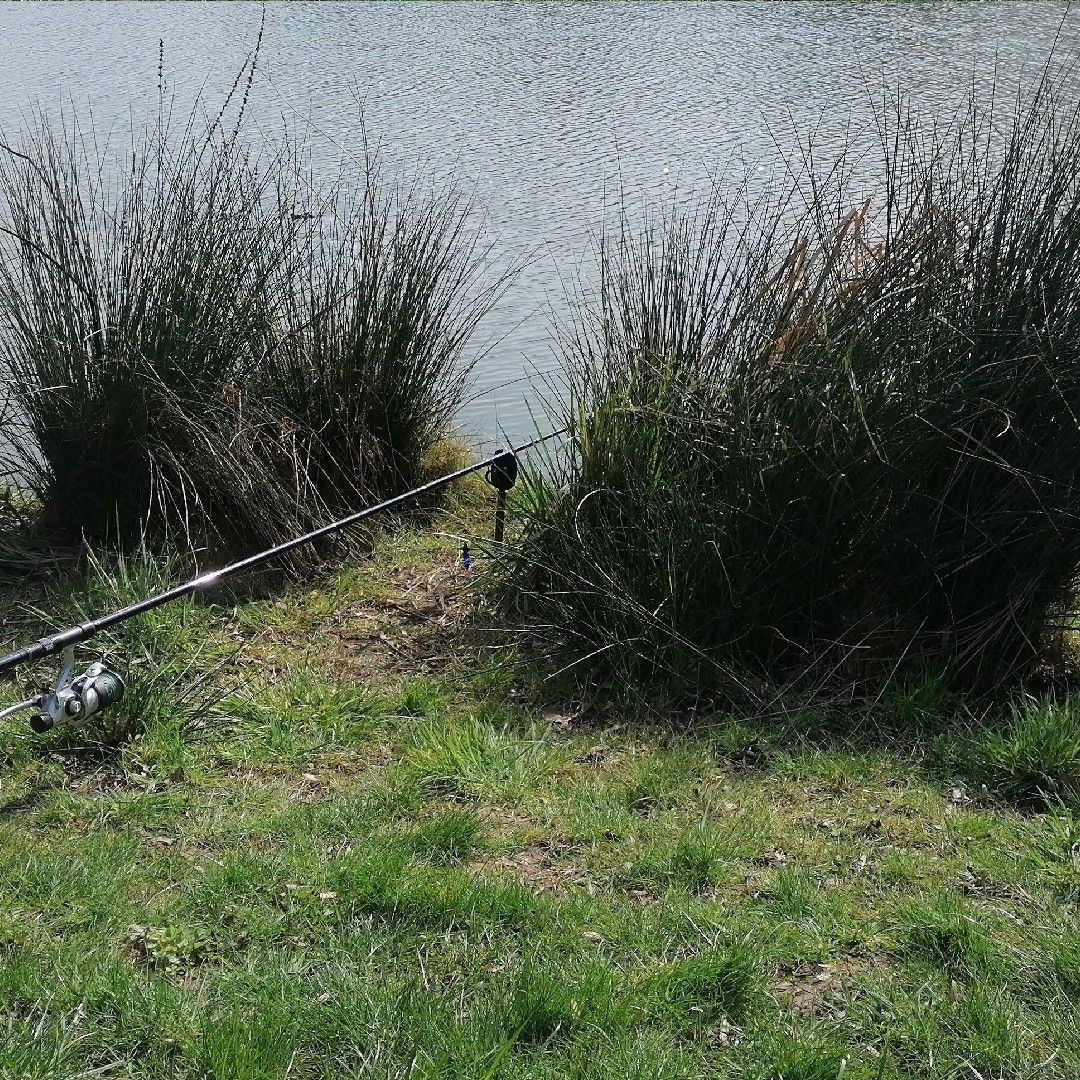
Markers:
46,646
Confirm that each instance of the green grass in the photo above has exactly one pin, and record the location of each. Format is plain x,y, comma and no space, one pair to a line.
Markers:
357,860
1031,755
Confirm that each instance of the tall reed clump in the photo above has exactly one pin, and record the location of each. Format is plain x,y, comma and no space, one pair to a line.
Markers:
18,551
204,344
371,369
827,442
138,293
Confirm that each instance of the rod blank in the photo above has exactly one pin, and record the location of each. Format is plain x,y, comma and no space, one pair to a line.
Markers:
54,643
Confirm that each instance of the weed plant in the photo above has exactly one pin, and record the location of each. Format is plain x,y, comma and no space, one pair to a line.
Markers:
1030,755
827,432
137,296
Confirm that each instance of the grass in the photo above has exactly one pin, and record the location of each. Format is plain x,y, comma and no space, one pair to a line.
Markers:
377,851
369,370
1031,755
201,347
825,433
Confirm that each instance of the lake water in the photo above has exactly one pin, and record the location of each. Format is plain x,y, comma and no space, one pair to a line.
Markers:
544,111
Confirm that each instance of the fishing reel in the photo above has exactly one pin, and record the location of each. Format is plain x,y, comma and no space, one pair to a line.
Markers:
71,700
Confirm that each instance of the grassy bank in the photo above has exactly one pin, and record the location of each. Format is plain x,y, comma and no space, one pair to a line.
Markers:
736,804
373,845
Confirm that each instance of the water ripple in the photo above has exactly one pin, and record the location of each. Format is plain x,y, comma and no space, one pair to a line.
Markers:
545,110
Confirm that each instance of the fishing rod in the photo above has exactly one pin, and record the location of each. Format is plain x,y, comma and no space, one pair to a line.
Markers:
75,699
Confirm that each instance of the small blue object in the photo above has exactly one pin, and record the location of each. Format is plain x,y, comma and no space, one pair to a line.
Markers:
466,558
